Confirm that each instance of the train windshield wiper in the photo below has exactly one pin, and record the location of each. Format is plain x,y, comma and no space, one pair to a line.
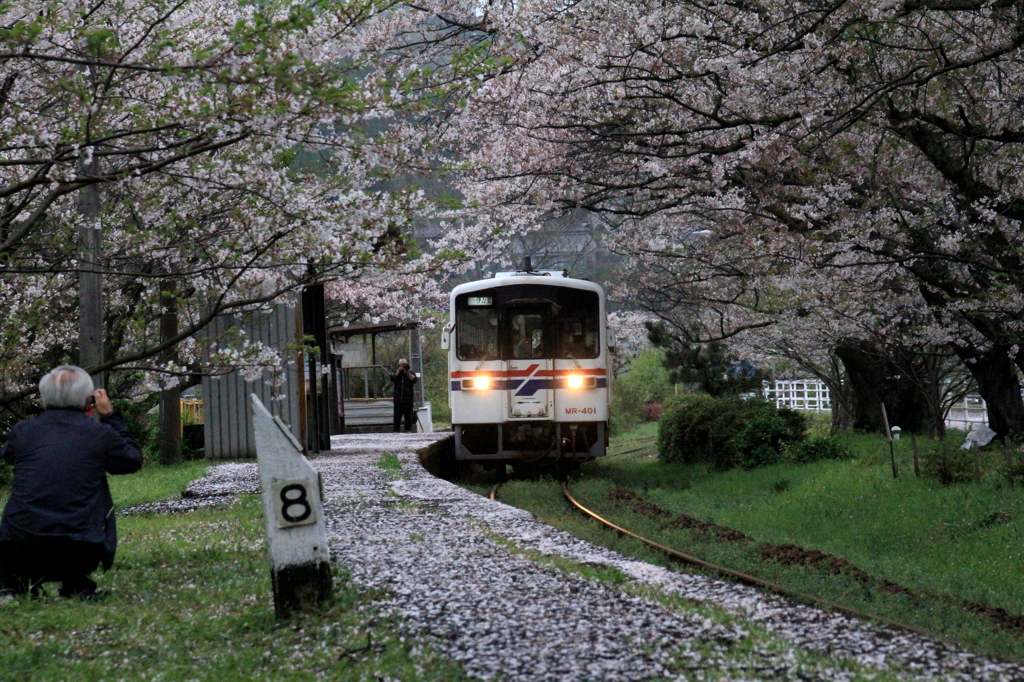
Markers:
487,356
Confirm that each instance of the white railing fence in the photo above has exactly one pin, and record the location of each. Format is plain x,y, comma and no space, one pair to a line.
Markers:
812,395
966,413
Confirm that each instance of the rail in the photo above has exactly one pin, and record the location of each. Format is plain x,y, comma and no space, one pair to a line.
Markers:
748,579
754,581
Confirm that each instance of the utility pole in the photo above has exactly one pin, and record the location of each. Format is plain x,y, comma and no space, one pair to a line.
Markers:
318,436
90,282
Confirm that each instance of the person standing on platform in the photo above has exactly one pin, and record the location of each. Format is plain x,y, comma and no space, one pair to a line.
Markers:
58,524
404,380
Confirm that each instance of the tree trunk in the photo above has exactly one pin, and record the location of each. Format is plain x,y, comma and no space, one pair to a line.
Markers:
842,395
170,399
873,377
996,376
993,369
843,401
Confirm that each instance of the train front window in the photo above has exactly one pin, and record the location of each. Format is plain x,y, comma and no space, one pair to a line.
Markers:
527,336
577,324
476,328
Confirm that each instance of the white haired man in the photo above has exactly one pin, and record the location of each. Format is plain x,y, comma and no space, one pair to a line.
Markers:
58,524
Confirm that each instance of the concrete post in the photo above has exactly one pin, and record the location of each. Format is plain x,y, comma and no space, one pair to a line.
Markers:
293,513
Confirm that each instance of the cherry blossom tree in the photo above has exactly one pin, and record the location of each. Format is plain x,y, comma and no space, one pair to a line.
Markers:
800,138
232,151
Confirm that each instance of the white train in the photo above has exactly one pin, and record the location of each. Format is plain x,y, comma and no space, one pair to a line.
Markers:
528,369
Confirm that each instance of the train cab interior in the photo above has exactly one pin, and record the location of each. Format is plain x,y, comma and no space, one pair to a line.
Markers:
527,322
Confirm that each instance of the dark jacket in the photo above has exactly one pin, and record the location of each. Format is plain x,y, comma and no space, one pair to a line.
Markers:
403,387
61,460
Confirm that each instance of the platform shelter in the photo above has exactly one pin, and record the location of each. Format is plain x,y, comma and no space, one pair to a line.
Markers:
363,357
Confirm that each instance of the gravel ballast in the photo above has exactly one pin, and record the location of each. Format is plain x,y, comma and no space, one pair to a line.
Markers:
462,572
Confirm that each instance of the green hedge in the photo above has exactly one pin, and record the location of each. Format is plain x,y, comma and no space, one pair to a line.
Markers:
727,432
815,450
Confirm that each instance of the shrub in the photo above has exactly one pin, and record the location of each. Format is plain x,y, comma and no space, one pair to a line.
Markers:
726,431
645,382
1016,471
7,420
814,450
627,404
761,441
435,374
142,425
947,463
617,426
796,422
652,412
696,428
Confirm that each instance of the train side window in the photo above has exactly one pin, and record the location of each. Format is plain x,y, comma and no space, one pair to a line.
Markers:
476,333
578,324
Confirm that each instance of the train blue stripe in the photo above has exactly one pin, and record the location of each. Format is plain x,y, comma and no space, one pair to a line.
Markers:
531,386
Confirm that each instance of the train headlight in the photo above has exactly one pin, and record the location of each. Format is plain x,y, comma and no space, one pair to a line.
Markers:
575,381
482,383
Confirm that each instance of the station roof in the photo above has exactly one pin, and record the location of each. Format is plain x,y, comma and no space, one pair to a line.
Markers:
393,325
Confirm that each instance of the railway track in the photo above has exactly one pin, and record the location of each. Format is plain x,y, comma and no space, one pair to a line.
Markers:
745,578
647,440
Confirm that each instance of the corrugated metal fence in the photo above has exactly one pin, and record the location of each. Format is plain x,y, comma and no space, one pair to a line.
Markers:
229,432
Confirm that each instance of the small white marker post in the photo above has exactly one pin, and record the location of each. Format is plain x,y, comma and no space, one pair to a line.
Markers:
293,513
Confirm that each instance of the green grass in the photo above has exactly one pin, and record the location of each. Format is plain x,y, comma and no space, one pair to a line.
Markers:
945,543
155,482
190,599
390,463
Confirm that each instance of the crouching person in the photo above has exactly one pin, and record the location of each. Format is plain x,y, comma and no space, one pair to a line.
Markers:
58,524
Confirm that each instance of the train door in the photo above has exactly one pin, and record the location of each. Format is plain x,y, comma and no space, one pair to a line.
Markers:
528,364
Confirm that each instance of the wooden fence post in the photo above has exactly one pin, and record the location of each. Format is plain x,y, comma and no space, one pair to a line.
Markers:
977,460
888,436
1008,450
913,444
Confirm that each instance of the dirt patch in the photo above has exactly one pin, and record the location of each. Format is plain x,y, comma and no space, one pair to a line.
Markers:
652,511
793,555
722,532
637,504
1005,620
